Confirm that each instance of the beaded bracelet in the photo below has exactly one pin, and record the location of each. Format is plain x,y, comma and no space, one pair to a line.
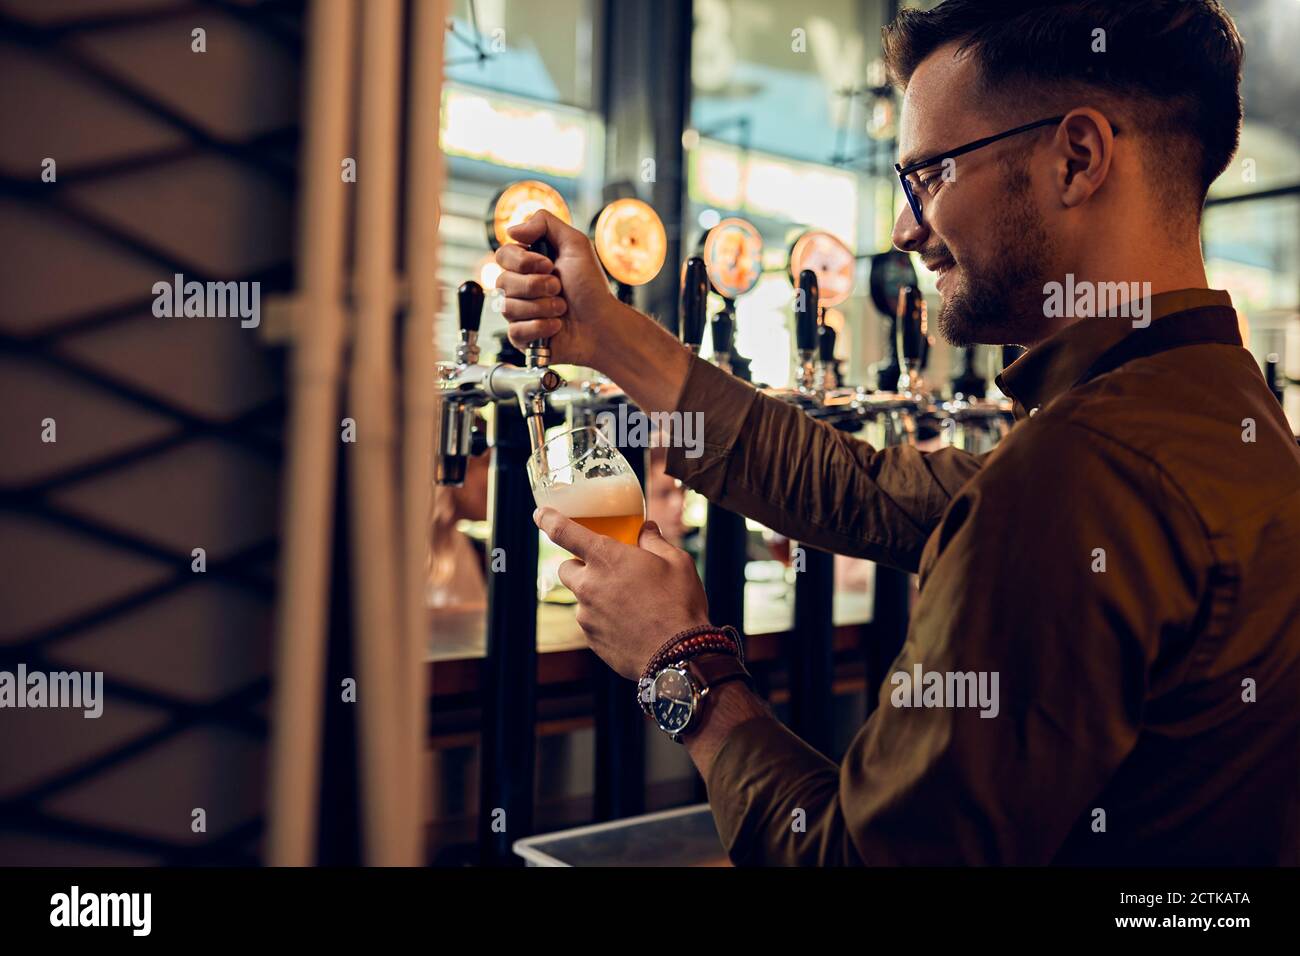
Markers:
692,642
680,646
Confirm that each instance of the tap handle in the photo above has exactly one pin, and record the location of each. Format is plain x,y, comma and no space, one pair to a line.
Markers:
543,247
695,302
469,300
911,318
539,350
1274,376
805,312
826,344
970,360
724,329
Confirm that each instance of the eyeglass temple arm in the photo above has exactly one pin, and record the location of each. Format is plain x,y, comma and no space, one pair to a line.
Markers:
978,144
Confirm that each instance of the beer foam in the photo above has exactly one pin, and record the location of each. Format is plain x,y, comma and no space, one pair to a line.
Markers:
608,496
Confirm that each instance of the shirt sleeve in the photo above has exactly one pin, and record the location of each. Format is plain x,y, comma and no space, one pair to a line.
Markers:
1057,580
767,459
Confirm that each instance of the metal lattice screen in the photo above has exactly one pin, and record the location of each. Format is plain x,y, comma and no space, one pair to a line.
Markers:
167,161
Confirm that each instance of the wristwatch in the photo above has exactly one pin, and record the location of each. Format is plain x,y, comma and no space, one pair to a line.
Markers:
675,696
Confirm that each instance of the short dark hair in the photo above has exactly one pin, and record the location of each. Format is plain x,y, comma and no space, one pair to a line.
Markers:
1173,66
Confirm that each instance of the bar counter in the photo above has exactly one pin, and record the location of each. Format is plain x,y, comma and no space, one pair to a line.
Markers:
458,638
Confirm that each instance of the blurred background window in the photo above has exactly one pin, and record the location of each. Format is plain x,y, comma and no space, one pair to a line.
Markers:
792,127
1251,230
520,102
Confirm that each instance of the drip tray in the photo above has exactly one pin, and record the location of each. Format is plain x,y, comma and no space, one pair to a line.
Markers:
684,836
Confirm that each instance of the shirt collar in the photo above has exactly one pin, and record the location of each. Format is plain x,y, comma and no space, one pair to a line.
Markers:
1055,364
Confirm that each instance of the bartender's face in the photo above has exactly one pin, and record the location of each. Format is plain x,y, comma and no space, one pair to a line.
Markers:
983,232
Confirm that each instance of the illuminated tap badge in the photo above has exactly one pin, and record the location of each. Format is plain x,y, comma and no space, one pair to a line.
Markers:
631,241
831,260
733,256
517,202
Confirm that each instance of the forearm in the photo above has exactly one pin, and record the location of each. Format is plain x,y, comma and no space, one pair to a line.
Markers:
766,459
775,800
644,359
726,708
834,494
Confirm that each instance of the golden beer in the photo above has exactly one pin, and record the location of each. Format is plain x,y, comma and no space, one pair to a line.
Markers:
625,528
611,505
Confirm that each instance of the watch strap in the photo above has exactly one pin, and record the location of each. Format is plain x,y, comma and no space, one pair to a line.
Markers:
710,670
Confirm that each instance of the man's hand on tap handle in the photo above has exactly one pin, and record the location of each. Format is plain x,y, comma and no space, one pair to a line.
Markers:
538,292
570,303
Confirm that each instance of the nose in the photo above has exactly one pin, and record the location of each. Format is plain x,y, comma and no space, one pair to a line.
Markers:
908,234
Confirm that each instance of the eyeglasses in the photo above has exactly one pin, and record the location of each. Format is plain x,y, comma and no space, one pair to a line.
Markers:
912,187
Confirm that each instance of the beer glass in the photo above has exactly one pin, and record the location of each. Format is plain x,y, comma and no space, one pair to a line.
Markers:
583,476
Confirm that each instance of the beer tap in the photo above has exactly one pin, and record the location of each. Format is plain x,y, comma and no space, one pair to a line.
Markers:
532,389
694,313
969,384
694,303
827,375
911,345
732,252
1274,377
977,422
724,332
806,329
465,385
808,392
459,392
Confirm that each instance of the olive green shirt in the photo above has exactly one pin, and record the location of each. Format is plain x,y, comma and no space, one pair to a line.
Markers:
1126,561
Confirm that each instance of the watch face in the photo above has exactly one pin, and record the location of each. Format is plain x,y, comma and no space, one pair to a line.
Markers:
672,700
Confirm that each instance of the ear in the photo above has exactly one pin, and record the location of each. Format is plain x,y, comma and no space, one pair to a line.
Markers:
1084,146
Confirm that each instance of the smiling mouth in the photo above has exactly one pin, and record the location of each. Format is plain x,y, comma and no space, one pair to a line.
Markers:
941,272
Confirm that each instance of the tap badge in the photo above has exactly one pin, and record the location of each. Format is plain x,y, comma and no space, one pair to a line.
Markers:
733,256
516,202
631,241
831,260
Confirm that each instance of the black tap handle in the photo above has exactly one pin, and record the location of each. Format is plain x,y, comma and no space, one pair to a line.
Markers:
724,329
695,301
469,301
543,247
539,349
826,344
911,347
1274,376
969,382
805,312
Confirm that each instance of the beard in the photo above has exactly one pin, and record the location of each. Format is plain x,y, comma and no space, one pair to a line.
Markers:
1002,303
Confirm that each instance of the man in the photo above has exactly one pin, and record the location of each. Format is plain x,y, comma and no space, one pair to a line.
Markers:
1121,572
